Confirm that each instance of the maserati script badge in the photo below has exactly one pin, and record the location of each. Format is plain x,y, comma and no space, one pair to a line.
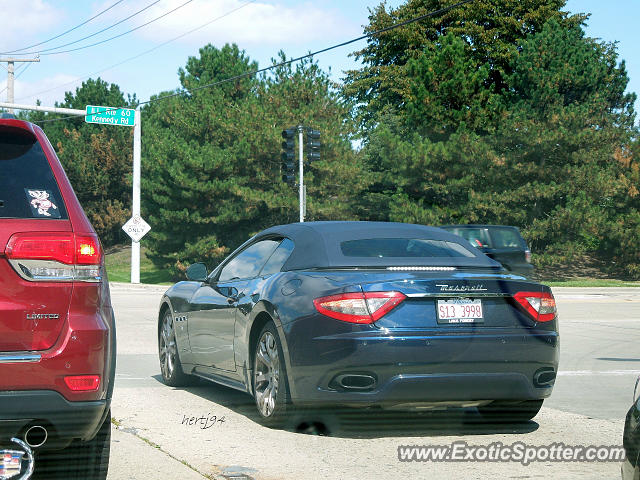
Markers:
461,288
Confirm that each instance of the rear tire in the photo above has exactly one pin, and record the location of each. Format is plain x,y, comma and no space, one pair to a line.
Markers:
510,412
170,366
80,460
270,387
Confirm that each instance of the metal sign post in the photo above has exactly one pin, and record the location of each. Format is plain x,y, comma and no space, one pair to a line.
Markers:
135,210
301,183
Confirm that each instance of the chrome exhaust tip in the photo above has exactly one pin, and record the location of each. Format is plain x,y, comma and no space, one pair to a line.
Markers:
357,381
36,436
544,377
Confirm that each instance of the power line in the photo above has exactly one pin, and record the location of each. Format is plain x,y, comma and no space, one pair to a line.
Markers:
19,72
121,34
143,53
68,31
317,52
27,65
288,62
93,34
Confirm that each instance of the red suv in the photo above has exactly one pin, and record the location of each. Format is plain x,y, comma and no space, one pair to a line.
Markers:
57,329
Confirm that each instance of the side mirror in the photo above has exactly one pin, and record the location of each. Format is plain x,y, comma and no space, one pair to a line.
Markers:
197,272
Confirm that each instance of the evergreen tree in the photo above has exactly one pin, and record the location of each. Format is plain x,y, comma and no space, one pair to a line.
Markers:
212,157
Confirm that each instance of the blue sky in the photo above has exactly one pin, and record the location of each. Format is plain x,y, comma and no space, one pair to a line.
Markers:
261,27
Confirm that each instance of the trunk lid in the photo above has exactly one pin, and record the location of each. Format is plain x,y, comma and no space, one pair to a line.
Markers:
455,302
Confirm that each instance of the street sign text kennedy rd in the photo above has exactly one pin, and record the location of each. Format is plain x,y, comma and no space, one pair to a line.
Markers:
124,117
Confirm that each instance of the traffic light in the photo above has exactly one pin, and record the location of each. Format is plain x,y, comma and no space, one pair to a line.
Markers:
313,144
288,156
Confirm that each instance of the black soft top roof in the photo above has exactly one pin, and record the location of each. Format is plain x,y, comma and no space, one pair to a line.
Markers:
317,245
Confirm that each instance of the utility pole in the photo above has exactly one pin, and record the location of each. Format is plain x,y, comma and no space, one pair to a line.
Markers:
10,61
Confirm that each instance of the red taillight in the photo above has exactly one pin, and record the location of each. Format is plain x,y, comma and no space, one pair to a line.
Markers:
58,247
527,256
87,250
83,383
66,248
540,305
55,256
358,307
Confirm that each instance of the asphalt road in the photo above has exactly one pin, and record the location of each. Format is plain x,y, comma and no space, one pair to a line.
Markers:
600,361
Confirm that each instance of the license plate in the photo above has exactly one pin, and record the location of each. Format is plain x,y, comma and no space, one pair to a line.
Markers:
460,311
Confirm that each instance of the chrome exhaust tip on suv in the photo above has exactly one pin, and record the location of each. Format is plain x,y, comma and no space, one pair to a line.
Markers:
36,436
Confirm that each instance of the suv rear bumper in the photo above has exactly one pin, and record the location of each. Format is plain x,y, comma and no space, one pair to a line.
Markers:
64,420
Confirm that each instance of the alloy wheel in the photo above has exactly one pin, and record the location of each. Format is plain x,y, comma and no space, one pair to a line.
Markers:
267,374
168,349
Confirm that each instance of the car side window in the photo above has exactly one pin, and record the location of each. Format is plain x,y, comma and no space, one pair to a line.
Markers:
249,262
478,237
278,258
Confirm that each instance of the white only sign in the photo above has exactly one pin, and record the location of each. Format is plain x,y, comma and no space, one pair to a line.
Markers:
136,228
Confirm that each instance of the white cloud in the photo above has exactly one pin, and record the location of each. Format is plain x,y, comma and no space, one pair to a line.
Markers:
23,22
49,90
260,23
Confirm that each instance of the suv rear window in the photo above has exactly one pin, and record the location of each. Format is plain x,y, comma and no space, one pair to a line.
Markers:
28,188
490,236
403,248
506,238
478,237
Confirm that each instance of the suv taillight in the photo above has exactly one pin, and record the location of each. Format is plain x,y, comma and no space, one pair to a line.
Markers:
58,257
359,307
527,255
540,305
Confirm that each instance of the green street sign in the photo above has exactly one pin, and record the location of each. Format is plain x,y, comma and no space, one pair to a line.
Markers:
124,117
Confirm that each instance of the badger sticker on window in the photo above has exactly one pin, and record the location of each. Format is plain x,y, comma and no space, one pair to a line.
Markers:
41,203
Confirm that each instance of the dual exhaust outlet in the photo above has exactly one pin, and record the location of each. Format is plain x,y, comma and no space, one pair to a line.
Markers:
544,377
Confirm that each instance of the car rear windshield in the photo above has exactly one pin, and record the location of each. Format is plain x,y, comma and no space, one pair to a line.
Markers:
28,188
403,248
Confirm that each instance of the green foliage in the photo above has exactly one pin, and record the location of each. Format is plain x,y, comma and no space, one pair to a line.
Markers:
212,158
491,31
500,111
551,150
97,158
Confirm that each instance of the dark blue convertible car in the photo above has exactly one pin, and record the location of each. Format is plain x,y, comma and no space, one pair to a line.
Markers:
363,314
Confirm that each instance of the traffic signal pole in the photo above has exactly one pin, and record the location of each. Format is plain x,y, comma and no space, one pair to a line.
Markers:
301,182
289,158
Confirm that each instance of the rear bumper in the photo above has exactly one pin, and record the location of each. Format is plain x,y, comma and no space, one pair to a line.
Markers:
423,368
454,388
64,420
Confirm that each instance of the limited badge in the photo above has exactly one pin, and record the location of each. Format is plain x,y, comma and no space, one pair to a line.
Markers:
41,203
